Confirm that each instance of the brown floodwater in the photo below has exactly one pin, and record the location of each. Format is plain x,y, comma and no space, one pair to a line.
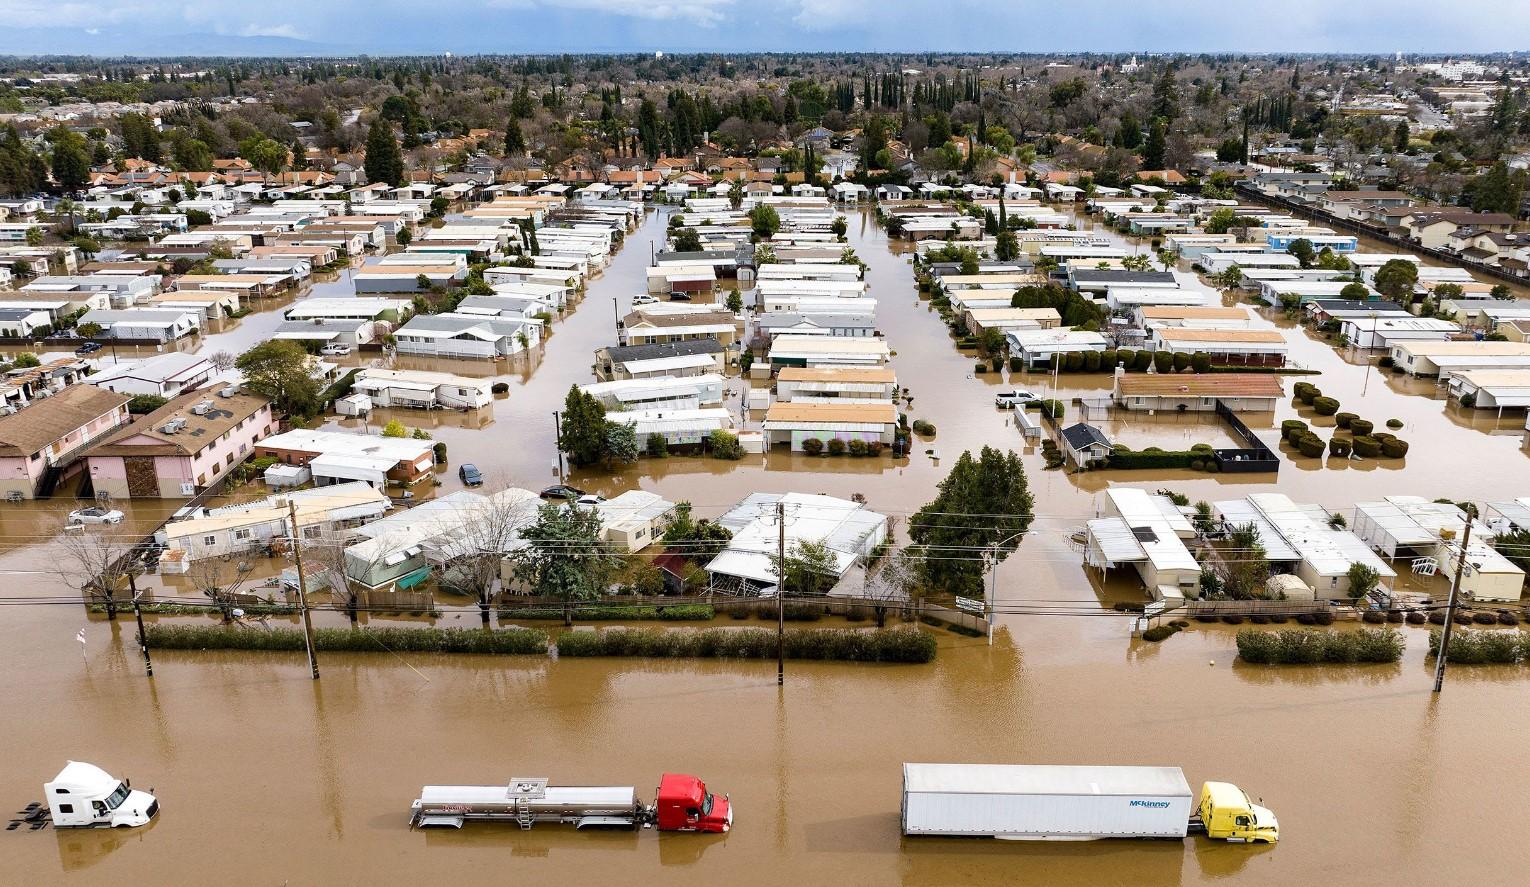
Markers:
266,777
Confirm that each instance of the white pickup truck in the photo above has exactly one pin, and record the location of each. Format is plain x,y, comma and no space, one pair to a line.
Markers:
1005,400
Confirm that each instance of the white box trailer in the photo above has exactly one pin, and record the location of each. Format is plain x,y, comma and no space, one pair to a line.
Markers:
1045,803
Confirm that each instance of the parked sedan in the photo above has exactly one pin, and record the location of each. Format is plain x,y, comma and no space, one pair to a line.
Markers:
590,499
88,348
470,474
96,515
562,491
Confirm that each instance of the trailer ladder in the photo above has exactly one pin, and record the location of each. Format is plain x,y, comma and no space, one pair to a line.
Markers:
522,791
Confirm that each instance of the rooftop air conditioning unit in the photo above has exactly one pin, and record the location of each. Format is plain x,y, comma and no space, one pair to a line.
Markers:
173,425
203,407
230,391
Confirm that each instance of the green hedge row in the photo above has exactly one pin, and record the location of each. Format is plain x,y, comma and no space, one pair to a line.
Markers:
1483,647
359,640
881,645
1301,647
616,612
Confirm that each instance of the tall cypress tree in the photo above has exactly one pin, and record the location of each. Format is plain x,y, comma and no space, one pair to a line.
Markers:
384,163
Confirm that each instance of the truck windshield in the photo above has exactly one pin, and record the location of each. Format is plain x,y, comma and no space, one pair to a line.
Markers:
706,803
115,799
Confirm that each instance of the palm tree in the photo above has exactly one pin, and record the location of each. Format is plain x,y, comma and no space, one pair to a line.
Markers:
736,194
65,205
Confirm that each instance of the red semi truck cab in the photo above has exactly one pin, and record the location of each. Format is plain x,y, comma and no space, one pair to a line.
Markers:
683,804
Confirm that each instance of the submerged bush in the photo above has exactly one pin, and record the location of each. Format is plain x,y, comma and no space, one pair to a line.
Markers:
1299,647
1482,647
353,640
842,644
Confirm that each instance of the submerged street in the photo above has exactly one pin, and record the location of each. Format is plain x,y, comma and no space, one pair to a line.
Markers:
268,777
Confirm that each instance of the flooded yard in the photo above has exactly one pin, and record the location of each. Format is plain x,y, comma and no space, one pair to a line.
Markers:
267,777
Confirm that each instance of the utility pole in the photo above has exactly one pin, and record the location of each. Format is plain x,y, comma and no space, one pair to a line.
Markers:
297,554
558,444
780,592
1450,606
143,639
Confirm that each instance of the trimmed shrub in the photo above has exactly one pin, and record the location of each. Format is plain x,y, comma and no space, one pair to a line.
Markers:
1437,617
1181,361
1342,420
1232,618
1481,647
1108,358
1463,618
1302,391
1395,617
1361,427
1373,617
1016,364
1393,448
1310,446
836,447
1092,361
1394,423
812,446
1366,446
843,644
687,613
1163,361
1159,632
1299,647
1416,617
1291,425
504,641
1325,406
857,447
1339,446
1142,361
1485,618
1507,617
927,429
980,368
1200,362
1323,617
797,613
1127,358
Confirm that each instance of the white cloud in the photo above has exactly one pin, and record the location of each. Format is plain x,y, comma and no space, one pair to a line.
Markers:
266,30
701,12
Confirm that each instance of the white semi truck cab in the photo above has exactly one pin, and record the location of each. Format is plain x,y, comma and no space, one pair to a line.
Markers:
85,796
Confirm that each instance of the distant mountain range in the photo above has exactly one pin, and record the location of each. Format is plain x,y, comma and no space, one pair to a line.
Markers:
77,41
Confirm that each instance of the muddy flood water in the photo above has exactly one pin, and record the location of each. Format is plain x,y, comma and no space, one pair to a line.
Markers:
266,777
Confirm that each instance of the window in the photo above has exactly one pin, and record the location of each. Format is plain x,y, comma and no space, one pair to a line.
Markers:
209,540
241,534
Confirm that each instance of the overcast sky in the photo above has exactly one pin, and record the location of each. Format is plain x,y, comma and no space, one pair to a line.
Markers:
192,26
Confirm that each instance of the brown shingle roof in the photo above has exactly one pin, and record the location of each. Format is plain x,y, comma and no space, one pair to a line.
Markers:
45,421
1209,385
200,430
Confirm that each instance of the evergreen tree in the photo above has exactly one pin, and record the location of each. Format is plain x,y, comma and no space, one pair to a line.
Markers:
515,142
582,428
983,507
71,165
1157,145
384,162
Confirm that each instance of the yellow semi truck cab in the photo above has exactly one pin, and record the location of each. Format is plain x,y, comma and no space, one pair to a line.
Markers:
1228,814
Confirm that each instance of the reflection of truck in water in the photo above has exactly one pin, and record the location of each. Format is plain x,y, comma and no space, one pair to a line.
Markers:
1056,803
681,804
84,796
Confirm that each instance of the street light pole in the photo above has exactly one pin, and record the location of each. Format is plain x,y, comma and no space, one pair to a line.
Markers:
1450,608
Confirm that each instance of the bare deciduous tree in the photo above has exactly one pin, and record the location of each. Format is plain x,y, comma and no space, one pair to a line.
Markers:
100,561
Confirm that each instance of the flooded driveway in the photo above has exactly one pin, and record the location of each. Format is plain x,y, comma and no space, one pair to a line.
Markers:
266,777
